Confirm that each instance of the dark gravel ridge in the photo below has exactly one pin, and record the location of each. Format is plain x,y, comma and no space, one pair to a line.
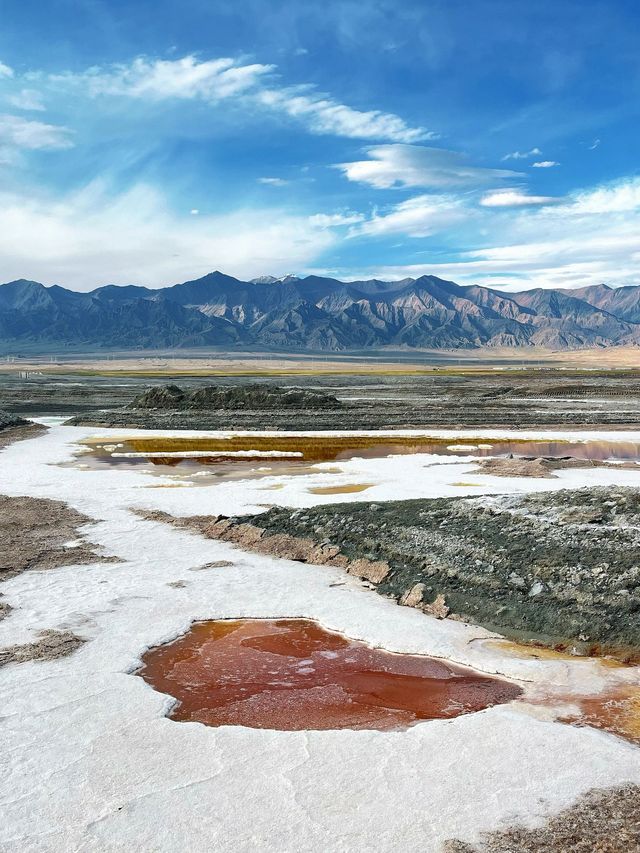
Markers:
14,428
8,420
556,566
533,399
252,396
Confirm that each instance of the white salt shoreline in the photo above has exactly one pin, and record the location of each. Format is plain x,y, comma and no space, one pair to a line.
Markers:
91,763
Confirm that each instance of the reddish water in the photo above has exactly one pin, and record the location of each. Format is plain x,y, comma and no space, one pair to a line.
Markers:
294,675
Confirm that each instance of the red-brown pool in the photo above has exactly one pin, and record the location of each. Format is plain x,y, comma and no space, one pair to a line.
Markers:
292,674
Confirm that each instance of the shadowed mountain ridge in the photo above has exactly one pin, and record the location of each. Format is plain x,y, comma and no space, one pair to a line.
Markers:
316,313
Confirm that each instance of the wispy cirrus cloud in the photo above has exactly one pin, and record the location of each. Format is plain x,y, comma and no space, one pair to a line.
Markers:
273,182
545,164
189,78
5,70
163,79
325,115
336,220
618,197
590,237
392,166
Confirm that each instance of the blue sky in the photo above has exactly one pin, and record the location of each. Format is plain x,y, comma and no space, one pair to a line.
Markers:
486,141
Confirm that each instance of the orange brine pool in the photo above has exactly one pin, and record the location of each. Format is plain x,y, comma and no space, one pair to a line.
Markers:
292,674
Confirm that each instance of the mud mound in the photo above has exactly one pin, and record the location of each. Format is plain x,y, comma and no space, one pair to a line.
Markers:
600,822
539,466
51,646
37,533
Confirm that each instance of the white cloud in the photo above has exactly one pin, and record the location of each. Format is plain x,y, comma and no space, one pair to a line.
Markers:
5,71
545,164
18,132
194,211
91,237
515,198
27,99
324,115
160,79
595,144
274,182
591,237
217,79
619,197
335,220
416,166
523,155
417,217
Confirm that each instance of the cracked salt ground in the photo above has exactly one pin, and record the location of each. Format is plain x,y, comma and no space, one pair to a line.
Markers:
90,760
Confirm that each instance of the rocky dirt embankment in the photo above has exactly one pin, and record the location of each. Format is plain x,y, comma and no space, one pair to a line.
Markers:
561,566
9,421
443,398
13,428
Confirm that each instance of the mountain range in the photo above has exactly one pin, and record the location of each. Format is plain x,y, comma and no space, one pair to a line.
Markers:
314,313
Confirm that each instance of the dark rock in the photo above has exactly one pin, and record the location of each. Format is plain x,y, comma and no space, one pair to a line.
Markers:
8,421
252,396
316,313
525,565
164,397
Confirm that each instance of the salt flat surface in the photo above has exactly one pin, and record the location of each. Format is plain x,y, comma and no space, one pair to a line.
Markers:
90,763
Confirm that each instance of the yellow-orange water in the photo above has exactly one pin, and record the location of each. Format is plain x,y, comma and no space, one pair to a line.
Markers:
611,657
351,488
320,449
292,674
324,448
617,710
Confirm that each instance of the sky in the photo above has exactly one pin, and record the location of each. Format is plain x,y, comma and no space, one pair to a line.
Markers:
492,142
